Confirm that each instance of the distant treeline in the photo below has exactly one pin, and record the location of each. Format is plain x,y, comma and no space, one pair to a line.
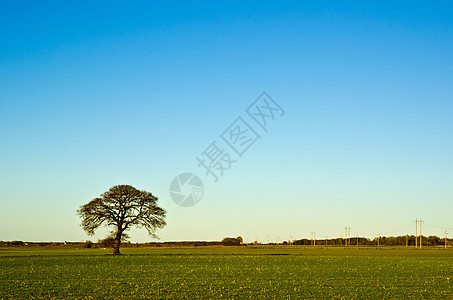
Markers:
106,244
427,241
382,241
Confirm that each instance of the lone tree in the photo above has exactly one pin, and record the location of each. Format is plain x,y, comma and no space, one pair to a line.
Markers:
121,208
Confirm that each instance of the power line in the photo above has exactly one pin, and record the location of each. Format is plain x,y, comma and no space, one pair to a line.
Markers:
387,233
437,226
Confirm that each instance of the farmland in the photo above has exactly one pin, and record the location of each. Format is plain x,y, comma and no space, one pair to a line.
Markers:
227,273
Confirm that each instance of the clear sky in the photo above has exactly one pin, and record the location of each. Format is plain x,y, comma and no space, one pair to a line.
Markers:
98,94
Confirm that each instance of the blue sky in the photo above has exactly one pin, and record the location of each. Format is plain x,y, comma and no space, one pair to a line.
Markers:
94,95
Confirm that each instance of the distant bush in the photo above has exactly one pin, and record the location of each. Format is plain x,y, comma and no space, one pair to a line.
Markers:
107,242
232,241
88,244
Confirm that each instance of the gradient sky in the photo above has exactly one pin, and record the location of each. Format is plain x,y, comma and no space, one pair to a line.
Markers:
98,94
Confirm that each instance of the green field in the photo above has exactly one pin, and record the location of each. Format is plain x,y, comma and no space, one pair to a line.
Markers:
227,273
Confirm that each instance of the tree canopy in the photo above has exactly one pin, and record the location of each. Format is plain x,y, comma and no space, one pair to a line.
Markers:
228,241
121,208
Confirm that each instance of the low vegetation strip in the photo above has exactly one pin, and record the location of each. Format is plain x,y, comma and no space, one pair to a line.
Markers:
241,250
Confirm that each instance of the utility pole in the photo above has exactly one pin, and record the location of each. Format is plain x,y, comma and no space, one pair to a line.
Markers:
347,233
445,240
420,222
416,236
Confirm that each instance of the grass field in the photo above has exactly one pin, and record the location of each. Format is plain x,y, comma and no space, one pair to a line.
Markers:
227,273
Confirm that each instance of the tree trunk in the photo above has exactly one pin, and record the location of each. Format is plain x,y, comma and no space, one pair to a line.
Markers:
117,243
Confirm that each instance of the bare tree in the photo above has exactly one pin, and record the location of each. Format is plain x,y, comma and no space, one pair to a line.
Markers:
121,208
